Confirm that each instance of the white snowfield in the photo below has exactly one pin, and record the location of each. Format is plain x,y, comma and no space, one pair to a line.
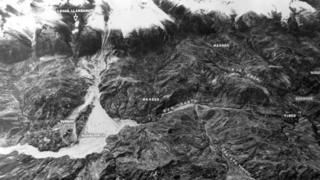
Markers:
28,19
131,15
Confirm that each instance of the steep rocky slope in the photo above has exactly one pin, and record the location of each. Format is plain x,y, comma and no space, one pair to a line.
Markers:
245,93
43,93
215,99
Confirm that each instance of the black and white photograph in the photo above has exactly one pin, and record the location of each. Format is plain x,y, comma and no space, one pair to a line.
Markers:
159,89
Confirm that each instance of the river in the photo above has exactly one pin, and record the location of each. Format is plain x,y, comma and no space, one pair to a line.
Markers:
98,121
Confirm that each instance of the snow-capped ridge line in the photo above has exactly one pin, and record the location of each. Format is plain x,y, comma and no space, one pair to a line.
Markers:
130,16
241,7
